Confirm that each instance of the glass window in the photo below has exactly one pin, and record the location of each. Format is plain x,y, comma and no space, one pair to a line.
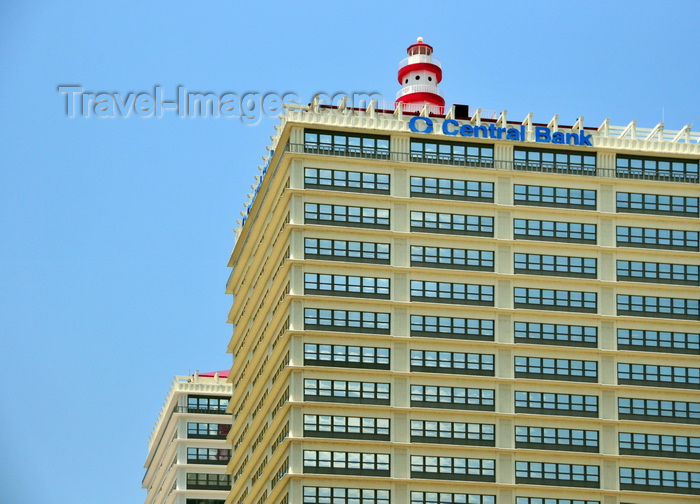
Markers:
554,196
657,204
450,498
540,264
320,354
346,321
346,250
328,462
657,238
433,222
433,431
548,299
656,445
344,144
530,229
639,271
443,257
346,391
434,361
351,216
346,285
557,161
549,438
543,473
556,334
546,403
346,427
433,396
467,469
452,327
639,167
654,410
652,306
341,180
337,495
658,376
426,187
461,154
556,369
207,404
656,480
658,341
446,292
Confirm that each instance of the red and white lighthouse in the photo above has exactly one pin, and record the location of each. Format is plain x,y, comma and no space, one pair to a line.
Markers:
419,76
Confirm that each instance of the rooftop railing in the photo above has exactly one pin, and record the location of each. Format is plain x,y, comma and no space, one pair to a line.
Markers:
419,88
420,58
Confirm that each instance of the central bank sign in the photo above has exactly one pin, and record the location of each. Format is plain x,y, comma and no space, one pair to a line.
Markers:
542,134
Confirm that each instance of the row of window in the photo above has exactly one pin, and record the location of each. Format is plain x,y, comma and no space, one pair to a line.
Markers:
338,495
484,364
379,183
640,271
457,468
524,158
344,144
657,238
546,438
445,257
654,480
423,151
346,285
346,250
208,456
544,473
473,469
207,404
452,362
554,161
654,306
436,222
450,292
483,260
556,369
660,376
203,481
328,462
484,329
346,391
551,299
320,178
451,189
478,225
346,356
433,431
483,295
544,264
554,196
346,427
207,430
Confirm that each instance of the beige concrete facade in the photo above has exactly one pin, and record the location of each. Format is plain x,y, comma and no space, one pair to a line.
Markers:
274,317
187,451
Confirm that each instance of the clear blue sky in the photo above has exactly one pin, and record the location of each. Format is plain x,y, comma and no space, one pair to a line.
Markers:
116,231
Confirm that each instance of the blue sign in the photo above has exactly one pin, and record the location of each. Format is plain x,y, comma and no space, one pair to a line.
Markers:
543,134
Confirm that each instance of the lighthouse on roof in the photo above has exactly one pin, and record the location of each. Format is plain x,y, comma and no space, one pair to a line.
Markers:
419,76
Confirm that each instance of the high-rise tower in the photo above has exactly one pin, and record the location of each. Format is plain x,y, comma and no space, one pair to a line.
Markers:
441,310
